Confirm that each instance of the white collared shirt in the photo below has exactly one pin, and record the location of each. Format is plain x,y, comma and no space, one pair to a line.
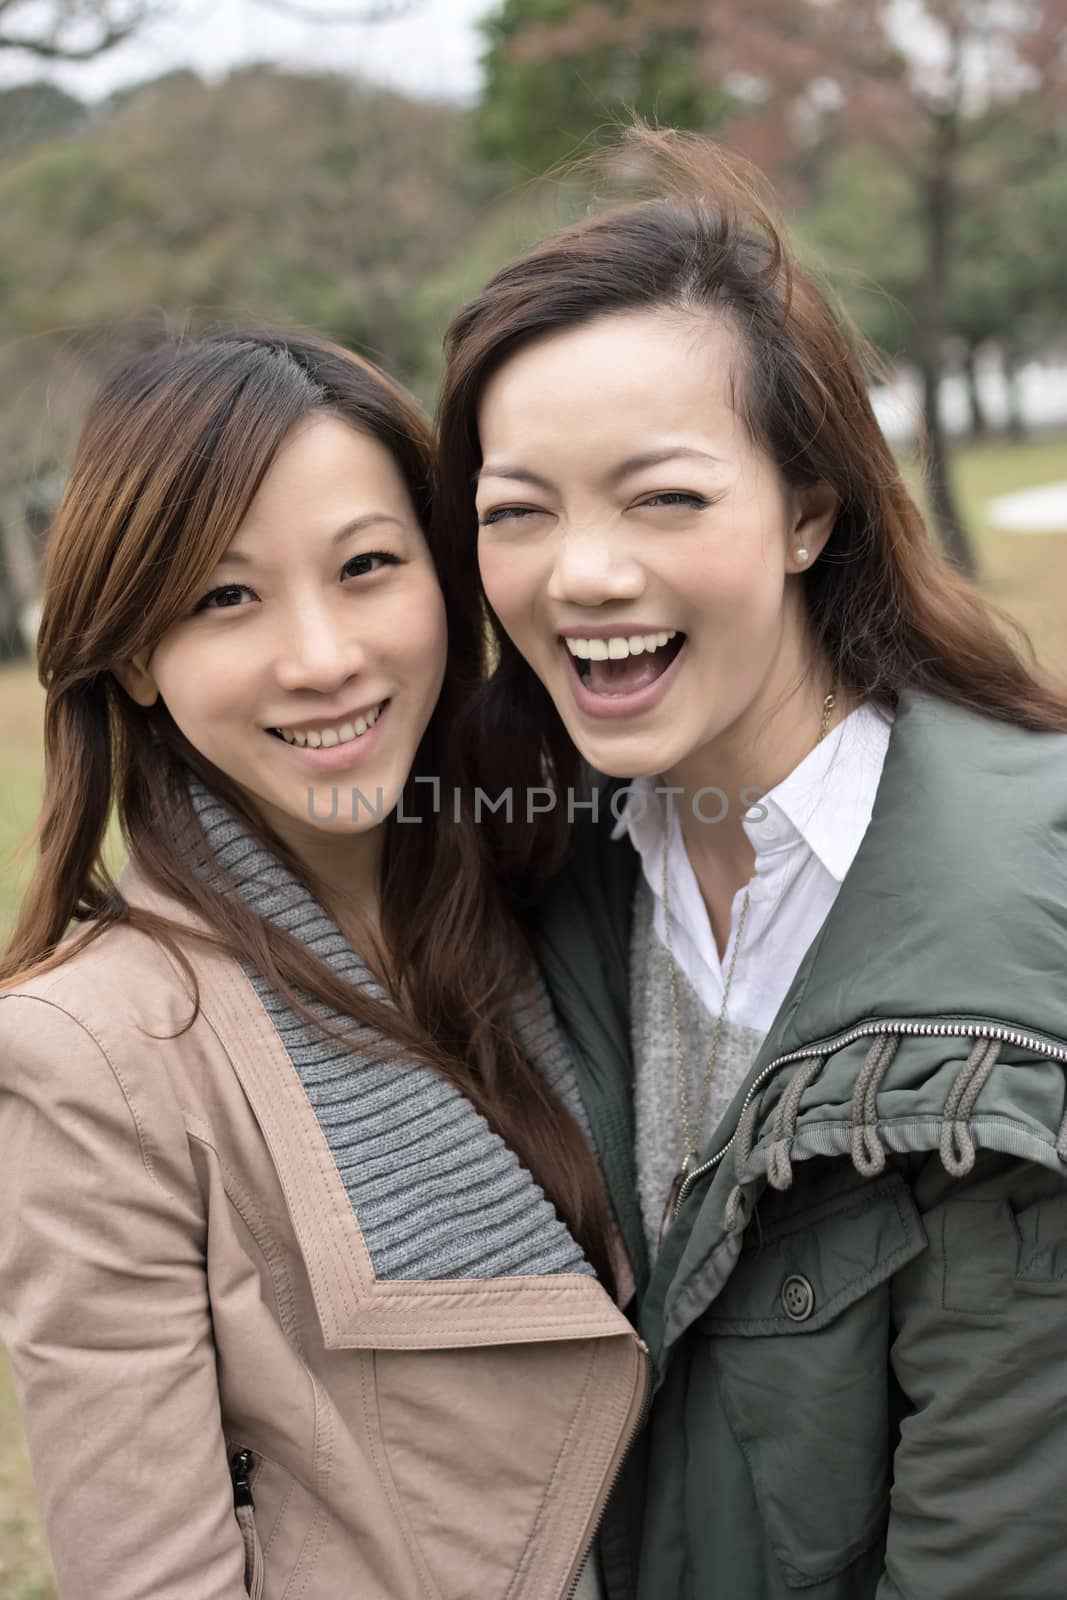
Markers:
805,833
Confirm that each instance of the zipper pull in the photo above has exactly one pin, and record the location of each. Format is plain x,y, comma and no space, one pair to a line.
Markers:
240,1467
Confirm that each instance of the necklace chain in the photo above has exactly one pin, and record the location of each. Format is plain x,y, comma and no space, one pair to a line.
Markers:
690,1130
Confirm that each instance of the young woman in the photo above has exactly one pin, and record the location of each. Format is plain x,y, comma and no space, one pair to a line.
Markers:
839,875
298,1217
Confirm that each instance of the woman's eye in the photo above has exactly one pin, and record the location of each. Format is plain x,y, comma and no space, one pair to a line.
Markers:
676,497
360,566
223,599
505,514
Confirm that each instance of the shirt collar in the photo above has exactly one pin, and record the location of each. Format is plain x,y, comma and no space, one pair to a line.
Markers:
826,801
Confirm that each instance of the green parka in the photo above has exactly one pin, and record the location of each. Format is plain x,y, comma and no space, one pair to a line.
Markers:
859,1320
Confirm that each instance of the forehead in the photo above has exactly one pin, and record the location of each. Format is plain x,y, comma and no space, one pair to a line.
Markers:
632,373
325,471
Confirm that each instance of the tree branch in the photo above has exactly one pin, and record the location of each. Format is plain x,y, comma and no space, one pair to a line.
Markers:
106,24
50,51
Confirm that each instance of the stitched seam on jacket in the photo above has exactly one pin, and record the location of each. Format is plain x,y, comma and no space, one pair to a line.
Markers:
252,1217
124,1089
376,1440
542,1511
301,1107
316,1533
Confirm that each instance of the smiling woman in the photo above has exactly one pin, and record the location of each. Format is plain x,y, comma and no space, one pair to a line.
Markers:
300,1223
844,1003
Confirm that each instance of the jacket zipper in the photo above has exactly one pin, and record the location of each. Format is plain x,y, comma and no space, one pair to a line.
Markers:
241,1465
606,1492
1006,1035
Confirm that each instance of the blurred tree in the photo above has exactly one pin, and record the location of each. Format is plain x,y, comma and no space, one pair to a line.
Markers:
271,196
30,112
1005,287
537,111
905,76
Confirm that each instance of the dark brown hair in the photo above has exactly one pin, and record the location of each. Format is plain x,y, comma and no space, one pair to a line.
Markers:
885,607
170,458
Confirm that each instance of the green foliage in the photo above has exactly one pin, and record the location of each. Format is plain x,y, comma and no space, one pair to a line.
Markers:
1012,236
862,225
1010,239
270,196
537,112
32,112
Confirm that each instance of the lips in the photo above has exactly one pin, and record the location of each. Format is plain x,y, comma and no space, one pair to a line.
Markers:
625,687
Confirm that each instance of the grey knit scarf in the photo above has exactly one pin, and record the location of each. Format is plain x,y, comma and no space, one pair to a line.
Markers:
436,1191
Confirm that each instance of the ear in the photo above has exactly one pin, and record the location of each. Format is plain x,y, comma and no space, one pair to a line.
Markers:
137,681
813,512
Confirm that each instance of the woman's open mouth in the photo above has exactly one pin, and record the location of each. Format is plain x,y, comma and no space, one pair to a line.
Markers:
622,674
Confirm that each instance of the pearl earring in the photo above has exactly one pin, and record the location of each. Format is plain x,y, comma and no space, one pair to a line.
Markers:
802,554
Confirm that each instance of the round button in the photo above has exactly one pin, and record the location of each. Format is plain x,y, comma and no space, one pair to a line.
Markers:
798,1298
768,830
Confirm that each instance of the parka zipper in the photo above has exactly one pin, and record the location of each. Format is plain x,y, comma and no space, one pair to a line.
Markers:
623,1451
964,1030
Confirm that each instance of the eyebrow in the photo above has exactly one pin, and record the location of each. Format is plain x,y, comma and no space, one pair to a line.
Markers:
354,525
625,469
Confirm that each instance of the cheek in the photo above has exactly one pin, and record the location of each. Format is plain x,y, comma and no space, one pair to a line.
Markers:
740,577
510,583
202,684
419,629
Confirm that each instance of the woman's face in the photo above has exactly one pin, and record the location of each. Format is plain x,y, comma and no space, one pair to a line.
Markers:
315,656
636,545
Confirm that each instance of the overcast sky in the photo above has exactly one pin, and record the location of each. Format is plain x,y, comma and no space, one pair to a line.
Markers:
433,50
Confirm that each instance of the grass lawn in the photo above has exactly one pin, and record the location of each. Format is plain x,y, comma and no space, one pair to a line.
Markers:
1025,573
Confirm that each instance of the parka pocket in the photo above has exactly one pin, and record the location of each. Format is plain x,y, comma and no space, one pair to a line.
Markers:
795,1354
242,1471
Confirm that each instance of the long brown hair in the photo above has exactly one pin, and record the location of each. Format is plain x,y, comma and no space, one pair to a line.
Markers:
885,607
170,458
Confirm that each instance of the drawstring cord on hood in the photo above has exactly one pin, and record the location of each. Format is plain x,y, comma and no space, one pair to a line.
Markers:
779,1165
956,1145
868,1151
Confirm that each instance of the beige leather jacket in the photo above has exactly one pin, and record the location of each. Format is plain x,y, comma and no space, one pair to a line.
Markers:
220,1396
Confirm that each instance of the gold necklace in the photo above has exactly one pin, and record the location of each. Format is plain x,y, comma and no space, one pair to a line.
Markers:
689,1135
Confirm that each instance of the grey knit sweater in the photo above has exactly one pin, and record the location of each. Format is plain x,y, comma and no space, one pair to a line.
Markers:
657,1114
438,1194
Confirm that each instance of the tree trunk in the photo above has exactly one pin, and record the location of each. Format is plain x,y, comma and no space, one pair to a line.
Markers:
939,200
980,428
1010,361
19,570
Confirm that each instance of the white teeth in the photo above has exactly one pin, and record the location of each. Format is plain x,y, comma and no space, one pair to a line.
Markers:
328,737
619,646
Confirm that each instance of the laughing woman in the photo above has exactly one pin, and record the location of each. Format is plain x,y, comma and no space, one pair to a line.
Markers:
836,897
298,1217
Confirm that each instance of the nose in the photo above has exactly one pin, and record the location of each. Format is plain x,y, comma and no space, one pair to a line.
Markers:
316,649
593,569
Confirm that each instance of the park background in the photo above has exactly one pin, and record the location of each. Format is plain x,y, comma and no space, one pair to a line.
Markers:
359,168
